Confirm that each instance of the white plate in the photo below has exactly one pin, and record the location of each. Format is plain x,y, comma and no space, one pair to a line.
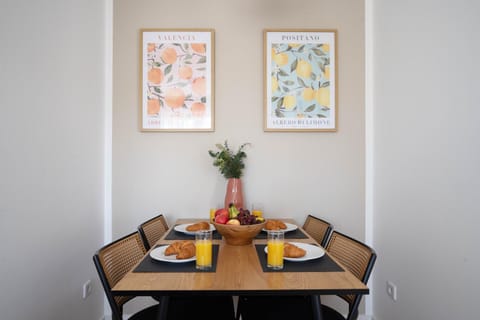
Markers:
313,251
290,227
159,254
183,228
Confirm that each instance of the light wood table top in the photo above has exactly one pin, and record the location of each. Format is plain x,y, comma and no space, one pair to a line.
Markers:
238,271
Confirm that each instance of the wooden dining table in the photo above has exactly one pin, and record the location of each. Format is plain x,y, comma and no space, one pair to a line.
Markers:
239,270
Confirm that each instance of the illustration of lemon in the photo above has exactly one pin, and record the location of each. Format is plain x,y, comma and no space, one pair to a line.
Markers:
274,84
304,69
281,59
322,96
308,94
326,47
326,74
289,102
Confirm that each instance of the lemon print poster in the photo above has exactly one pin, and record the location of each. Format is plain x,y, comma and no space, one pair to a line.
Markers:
177,84
300,78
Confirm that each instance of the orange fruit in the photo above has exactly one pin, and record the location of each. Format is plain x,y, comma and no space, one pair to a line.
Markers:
153,106
185,72
199,86
169,55
198,108
174,97
198,47
155,75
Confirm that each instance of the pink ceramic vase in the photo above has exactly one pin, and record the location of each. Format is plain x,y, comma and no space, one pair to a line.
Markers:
234,193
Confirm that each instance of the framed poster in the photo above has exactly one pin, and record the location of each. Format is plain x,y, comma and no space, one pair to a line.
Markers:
177,80
300,80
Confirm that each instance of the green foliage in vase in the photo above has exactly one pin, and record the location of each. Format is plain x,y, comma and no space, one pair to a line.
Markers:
229,164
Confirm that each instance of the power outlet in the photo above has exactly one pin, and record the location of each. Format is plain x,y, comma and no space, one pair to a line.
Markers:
87,289
392,290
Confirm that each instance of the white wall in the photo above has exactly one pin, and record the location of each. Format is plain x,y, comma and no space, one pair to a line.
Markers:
427,158
292,174
51,157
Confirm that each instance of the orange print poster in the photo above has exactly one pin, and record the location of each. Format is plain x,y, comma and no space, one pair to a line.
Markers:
177,90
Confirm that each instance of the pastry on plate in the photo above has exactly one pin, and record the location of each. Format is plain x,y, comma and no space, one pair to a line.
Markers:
275,225
292,251
202,225
182,249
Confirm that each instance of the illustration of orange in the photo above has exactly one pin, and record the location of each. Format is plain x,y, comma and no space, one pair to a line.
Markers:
150,47
153,106
198,47
199,86
155,75
198,109
169,55
185,72
174,97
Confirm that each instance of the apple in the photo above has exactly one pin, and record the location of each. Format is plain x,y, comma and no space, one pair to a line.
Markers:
233,221
221,212
222,219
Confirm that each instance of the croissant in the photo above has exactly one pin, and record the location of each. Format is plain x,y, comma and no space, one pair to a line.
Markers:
173,248
182,249
292,251
186,251
275,225
203,225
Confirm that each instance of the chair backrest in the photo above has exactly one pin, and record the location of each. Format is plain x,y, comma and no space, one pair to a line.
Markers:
318,229
152,230
358,258
113,261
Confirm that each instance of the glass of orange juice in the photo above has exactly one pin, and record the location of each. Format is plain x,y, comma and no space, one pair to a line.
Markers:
257,210
203,251
275,242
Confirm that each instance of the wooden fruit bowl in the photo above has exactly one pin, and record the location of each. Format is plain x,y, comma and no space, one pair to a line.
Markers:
239,235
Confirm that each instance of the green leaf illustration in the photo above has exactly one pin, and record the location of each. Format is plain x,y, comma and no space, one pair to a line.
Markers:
157,64
321,116
318,52
302,83
280,102
279,113
293,66
310,108
203,99
283,73
325,84
202,60
168,69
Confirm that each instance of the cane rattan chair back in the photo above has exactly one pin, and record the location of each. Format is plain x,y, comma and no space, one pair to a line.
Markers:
152,230
358,258
113,261
318,229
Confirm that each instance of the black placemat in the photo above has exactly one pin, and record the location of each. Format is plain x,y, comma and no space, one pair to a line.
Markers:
323,264
295,234
151,265
175,235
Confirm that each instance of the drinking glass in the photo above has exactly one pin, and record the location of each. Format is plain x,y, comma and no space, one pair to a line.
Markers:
257,209
275,242
203,251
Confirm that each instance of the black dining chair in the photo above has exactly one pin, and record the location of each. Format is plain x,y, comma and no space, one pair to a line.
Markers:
112,262
152,230
355,256
318,229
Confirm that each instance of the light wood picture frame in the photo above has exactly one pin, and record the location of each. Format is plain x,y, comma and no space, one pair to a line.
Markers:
300,80
177,79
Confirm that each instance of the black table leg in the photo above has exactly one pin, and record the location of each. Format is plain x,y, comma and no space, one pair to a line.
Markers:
317,307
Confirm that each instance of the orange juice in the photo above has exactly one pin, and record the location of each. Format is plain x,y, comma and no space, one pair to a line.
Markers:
212,214
257,213
275,254
204,253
